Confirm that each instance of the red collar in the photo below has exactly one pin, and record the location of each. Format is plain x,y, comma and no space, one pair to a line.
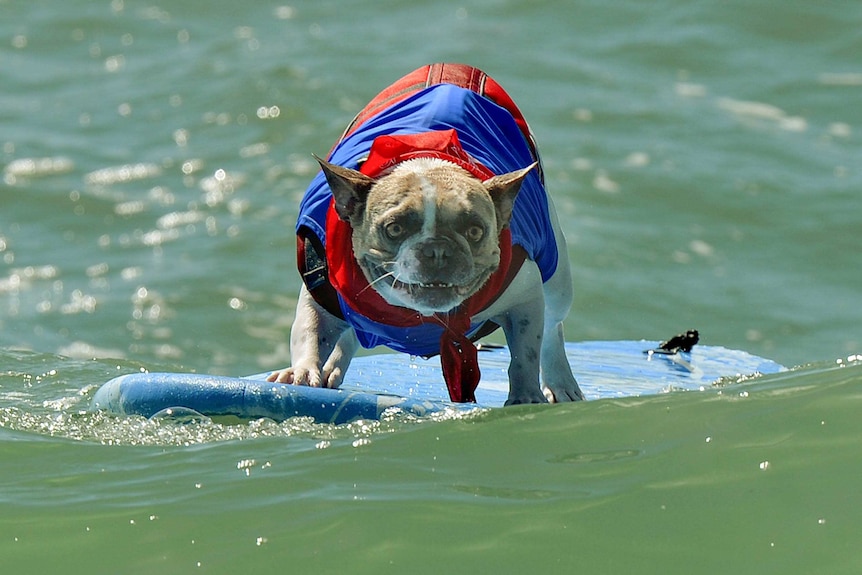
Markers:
458,354
390,150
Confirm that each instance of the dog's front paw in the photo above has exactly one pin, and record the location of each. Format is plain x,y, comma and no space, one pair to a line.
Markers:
296,376
331,377
525,396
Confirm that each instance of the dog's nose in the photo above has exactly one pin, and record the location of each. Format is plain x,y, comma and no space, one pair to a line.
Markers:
437,252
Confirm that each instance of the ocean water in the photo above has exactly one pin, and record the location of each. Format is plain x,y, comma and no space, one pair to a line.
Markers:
705,161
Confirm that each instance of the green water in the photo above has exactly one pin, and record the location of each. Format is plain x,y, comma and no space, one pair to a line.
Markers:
704,158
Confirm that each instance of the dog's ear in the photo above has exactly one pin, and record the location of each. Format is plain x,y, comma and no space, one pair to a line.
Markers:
503,190
349,188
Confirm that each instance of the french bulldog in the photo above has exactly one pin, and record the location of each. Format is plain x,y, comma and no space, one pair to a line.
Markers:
427,234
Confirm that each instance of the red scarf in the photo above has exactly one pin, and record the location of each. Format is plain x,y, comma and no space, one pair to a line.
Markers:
458,355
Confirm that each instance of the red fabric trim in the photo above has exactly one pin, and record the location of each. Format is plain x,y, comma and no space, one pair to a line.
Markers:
443,73
389,151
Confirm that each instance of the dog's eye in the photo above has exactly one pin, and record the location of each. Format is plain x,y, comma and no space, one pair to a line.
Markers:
474,234
394,230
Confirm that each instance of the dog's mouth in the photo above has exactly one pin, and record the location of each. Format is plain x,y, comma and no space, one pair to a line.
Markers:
426,297
433,286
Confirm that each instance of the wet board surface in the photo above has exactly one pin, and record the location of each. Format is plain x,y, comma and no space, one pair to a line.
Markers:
375,383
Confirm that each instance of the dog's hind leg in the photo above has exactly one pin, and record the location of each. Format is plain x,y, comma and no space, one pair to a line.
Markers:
559,383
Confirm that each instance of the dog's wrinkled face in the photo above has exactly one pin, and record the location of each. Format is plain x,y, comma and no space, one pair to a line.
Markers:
426,234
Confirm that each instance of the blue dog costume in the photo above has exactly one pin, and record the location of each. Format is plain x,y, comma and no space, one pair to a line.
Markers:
490,137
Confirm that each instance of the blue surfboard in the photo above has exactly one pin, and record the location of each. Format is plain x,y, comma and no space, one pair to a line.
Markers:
377,383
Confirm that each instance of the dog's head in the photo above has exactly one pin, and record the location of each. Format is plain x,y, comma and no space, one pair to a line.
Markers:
425,234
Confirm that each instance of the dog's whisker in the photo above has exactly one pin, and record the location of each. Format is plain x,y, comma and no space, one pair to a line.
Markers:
370,284
442,319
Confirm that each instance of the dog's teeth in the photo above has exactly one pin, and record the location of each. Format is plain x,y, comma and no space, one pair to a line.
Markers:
402,285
